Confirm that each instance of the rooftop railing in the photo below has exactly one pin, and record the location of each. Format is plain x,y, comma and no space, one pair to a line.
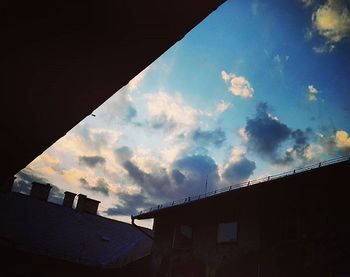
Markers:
245,184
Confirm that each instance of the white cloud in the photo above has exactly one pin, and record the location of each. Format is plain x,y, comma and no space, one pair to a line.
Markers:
338,144
342,139
279,62
243,134
136,81
222,106
307,3
277,59
313,151
325,48
238,85
171,113
332,20
146,160
308,34
171,152
118,108
237,154
273,117
312,93
47,165
225,76
86,141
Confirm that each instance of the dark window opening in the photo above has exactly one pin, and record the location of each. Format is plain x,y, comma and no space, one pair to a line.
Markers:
227,232
182,236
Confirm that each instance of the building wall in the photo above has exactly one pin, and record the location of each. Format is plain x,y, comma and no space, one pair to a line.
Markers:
205,256
296,226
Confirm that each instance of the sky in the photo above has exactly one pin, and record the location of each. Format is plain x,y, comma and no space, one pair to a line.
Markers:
258,88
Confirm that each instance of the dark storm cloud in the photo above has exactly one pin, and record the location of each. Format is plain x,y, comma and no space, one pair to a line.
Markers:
197,167
215,137
177,176
123,154
130,204
155,185
83,182
301,141
92,161
239,171
197,170
187,177
135,173
265,133
101,186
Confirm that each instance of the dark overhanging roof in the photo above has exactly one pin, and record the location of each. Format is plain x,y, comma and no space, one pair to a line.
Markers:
331,166
62,59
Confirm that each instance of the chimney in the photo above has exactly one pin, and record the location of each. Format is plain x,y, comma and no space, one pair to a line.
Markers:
87,205
6,183
68,199
40,191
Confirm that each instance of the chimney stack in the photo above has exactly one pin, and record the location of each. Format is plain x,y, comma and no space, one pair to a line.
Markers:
68,199
87,205
40,191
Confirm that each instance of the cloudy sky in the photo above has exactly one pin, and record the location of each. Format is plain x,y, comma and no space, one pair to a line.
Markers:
258,88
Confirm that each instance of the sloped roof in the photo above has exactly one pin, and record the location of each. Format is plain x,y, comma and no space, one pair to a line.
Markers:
49,229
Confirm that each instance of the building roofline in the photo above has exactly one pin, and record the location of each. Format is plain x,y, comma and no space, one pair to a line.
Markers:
154,211
60,206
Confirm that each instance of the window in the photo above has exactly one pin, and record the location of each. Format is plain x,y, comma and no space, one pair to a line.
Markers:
227,232
182,236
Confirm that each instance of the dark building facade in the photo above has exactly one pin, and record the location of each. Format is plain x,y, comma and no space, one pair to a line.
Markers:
297,225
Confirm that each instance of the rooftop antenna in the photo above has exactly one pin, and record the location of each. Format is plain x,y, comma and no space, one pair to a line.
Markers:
206,185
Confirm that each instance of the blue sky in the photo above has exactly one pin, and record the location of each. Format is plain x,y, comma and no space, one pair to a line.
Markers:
258,88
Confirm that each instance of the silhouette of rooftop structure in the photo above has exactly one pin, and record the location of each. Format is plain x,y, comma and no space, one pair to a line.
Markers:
152,212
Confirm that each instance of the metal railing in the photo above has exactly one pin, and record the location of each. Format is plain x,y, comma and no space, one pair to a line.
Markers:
245,184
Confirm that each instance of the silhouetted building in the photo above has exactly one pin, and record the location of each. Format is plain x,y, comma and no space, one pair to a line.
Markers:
68,199
297,225
40,191
40,238
87,205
